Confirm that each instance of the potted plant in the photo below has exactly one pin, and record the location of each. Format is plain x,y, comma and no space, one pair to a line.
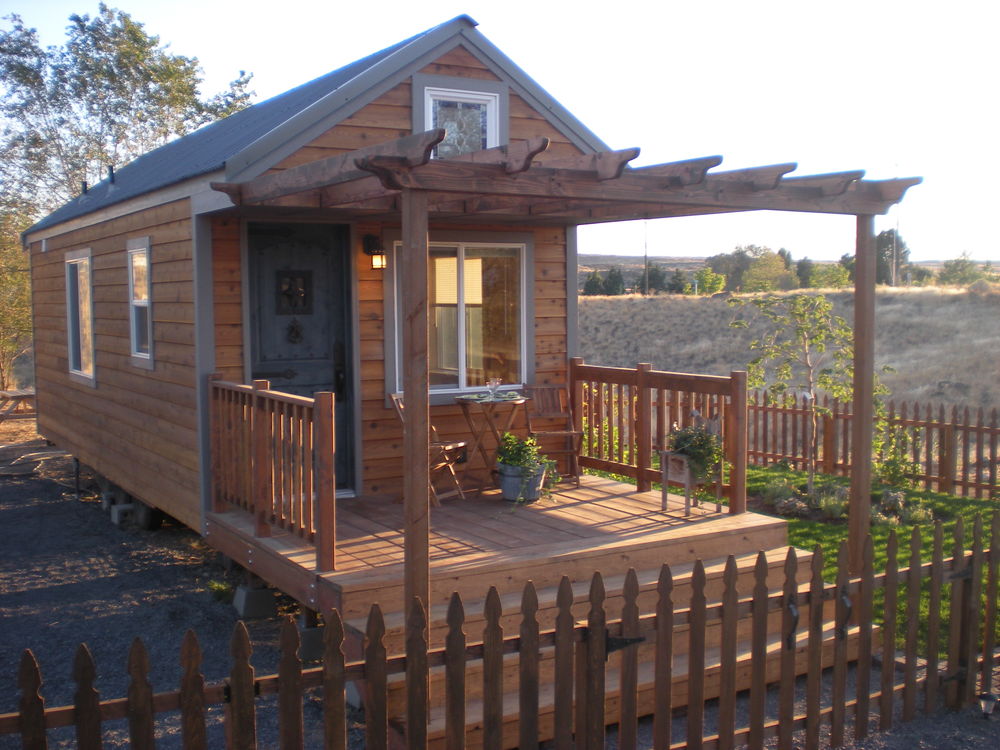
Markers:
522,468
701,449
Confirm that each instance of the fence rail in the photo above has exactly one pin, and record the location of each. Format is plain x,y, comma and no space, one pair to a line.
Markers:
273,456
956,451
626,415
951,590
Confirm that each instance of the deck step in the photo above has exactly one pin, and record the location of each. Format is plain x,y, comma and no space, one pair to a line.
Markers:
712,678
510,602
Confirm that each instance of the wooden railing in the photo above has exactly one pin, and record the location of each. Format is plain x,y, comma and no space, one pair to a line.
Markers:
952,661
956,452
627,415
273,456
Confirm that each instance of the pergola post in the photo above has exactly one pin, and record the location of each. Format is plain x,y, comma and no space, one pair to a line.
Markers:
416,424
859,516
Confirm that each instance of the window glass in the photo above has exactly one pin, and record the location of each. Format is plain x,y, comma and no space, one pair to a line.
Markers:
79,317
139,317
465,126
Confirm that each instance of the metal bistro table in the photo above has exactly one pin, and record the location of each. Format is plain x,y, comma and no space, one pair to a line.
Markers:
489,416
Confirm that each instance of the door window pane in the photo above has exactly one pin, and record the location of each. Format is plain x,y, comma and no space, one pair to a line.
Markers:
492,315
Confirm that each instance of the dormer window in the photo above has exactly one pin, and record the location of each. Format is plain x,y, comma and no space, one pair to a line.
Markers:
473,113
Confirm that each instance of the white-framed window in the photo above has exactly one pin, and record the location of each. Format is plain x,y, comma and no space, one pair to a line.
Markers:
139,308
471,119
80,315
473,112
477,313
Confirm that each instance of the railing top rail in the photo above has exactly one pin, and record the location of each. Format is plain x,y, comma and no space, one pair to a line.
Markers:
271,395
677,381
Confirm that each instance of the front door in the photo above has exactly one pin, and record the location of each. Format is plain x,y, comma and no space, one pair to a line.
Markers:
300,318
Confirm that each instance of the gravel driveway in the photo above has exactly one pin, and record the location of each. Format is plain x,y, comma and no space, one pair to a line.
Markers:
67,575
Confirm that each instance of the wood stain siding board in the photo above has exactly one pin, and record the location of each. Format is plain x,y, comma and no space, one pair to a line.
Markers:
120,427
228,298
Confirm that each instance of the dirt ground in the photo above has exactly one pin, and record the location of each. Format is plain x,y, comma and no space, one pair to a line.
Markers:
69,576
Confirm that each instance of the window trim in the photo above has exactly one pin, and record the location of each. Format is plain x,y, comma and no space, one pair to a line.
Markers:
134,247
393,339
470,89
74,329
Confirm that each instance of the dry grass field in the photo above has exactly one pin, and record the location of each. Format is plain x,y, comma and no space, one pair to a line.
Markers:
943,343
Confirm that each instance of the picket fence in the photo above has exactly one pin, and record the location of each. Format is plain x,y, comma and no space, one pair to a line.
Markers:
956,451
950,661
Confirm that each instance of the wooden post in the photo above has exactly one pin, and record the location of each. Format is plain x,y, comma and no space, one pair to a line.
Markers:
261,433
576,393
829,444
948,459
859,515
325,478
738,442
643,428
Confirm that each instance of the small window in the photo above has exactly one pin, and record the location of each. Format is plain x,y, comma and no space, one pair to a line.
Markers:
472,112
79,314
140,317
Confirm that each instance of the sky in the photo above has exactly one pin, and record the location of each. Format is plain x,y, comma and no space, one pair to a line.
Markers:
898,89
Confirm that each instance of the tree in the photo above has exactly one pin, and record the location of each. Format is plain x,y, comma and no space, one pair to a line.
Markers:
594,284
891,254
656,278
829,276
805,349
804,269
614,282
678,283
786,258
15,293
767,273
731,265
847,261
709,282
110,94
960,271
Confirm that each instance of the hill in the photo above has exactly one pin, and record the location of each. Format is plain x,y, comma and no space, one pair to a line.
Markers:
944,344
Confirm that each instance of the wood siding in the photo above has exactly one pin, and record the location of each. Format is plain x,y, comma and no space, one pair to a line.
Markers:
136,426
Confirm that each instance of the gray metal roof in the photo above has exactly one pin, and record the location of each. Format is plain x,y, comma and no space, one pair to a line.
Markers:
253,132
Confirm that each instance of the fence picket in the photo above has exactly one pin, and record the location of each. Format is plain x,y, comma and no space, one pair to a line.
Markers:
990,614
140,698
727,656
289,687
970,616
934,620
86,701
814,677
334,693
912,622
192,695
890,589
564,667
376,711
31,708
956,609
789,626
842,619
758,654
417,677
241,720
663,666
863,672
492,673
454,686
629,660
696,659
528,658
596,657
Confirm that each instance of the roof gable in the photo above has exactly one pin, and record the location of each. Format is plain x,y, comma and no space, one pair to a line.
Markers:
251,141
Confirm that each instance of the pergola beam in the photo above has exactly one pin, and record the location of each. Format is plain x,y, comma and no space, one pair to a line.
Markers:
514,157
833,183
680,173
757,178
607,165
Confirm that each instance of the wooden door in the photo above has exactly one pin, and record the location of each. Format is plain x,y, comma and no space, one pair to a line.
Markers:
300,318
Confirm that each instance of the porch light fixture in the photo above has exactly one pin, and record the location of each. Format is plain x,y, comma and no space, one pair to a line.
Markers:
986,703
372,246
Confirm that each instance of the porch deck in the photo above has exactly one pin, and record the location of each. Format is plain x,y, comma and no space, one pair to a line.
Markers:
483,541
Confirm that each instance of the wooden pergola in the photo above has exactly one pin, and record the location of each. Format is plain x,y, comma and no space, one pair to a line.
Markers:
399,181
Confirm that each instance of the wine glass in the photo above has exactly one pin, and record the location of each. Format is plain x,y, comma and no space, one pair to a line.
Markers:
492,384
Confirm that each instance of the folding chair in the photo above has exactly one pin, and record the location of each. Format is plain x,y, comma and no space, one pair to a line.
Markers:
443,456
550,416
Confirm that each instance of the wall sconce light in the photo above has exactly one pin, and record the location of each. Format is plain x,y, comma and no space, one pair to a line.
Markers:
372,246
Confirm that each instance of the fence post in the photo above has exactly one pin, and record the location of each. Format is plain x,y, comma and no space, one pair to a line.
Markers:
644,428
829,444
947,459
738,443
324,471
260,432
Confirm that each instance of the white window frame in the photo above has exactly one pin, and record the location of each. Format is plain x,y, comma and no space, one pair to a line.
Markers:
525,350
134,247
74,260
491,100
